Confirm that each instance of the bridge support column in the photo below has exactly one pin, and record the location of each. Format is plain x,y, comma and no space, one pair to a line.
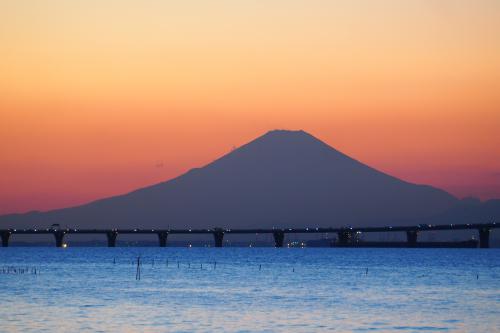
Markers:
112,238
484,238
5,238
411,238
218,237
162,237
345,237
279,238
59,236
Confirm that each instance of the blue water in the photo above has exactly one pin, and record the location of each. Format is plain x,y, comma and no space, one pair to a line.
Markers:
250,290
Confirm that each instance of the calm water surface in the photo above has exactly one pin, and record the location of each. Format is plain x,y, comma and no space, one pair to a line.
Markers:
251,290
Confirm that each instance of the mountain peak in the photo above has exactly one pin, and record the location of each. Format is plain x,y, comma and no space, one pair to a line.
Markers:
285,132
280,146
293,139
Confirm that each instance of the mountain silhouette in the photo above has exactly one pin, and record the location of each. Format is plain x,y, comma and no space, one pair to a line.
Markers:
283,178
469,210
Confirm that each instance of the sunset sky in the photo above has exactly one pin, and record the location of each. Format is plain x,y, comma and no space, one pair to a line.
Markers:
98,97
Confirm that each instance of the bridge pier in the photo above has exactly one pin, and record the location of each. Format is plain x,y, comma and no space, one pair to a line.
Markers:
411,238
59,236
345,237
279,238
5,238
162,237
112,234
484,238
218,237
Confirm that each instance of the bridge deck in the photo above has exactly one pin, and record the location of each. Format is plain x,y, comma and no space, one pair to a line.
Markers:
422,227
345,234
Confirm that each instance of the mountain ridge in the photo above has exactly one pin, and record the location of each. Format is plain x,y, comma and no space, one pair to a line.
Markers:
280,178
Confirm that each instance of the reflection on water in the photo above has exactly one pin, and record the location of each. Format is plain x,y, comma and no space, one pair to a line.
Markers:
247,290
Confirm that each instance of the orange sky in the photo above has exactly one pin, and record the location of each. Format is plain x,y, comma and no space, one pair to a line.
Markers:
101,97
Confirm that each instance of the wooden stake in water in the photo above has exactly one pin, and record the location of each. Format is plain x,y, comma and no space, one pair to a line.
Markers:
138,271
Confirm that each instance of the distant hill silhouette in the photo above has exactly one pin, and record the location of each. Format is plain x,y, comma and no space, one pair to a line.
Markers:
469,210
283,178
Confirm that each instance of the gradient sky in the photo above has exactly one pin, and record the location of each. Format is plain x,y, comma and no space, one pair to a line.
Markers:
100,97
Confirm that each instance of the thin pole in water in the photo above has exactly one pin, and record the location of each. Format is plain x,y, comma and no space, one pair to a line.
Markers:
138,271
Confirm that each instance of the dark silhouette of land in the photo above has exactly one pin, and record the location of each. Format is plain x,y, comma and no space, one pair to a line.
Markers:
281,179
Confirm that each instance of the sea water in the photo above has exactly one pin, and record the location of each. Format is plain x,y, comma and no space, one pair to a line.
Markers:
249,290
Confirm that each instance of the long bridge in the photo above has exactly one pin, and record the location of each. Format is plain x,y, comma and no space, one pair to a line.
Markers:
345,234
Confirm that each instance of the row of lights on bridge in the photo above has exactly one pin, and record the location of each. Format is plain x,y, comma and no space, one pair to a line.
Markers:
420,226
